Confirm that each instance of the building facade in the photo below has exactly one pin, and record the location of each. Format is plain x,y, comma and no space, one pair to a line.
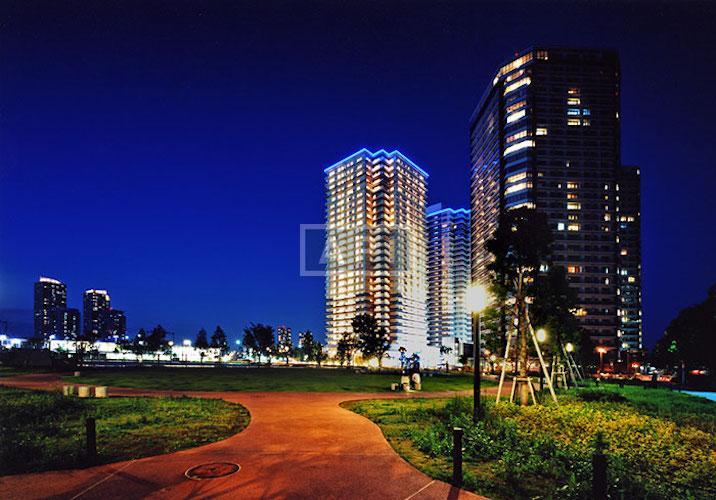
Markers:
96,314
50,301
628,199
546,135
69,323
117,328
448,275
376,246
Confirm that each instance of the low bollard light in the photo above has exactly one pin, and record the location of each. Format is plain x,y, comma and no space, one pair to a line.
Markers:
91,429
457,456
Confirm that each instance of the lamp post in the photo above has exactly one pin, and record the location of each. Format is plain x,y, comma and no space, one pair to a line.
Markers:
477,299
601,351
625,348
541,337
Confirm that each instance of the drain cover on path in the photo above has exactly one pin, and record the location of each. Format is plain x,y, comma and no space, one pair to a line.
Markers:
212,470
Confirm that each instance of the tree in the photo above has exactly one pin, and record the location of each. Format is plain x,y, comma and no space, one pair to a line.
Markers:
305,349
344,349
259,339
138,344
218,341
157,340
553,308
690,338
319,353
372,340
201,341
444,351
520,245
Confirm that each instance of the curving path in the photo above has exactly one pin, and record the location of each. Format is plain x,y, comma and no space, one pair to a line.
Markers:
298,445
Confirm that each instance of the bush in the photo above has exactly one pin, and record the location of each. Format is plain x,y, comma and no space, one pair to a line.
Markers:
591,395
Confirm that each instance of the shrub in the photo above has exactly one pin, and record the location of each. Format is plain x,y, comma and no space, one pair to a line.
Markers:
591,395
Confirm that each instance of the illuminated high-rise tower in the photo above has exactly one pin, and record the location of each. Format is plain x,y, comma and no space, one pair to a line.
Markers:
448,276
377,246
546,135
50,302
96,314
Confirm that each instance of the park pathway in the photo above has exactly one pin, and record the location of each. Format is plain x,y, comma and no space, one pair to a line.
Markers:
298,445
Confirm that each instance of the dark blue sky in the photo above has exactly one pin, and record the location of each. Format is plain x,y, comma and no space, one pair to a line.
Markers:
168,151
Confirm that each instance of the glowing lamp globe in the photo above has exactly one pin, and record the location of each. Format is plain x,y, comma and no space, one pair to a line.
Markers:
477,298
541,335
569,347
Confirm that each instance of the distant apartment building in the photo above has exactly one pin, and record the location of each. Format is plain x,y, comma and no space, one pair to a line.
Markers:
377,246
50,301
546,135
96,314
69,323
117,328
448,276
283,335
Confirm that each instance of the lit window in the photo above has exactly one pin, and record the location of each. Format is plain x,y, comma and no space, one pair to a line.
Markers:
573,111
519,146
623,251
574,206
586,122
631,279
517,115
560,226
573,121
514,137
574,269
586,112
515,106
518,187
573,91
543,54
572,185
573,227
541,131
519,83
516,177
571,196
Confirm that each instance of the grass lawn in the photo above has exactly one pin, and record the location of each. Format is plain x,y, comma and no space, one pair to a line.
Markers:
44,431
660,444
264,379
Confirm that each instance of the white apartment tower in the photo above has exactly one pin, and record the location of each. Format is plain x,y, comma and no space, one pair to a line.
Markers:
377,246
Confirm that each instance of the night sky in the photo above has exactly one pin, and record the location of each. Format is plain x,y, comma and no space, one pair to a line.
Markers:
169,151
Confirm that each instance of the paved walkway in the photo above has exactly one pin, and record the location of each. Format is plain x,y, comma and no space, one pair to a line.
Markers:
298,445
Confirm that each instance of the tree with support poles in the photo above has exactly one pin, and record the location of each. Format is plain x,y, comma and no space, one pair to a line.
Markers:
520,247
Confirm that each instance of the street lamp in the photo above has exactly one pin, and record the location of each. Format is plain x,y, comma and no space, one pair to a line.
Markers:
477,300
601,351
569,347
541,337
625,348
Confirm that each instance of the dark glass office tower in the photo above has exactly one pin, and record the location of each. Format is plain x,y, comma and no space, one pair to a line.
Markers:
50,300
629,258
546,135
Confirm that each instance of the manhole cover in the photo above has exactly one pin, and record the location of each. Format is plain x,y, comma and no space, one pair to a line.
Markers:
212,471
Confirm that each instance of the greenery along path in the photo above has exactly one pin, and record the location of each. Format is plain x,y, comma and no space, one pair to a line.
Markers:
265,379
661,444
43,430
